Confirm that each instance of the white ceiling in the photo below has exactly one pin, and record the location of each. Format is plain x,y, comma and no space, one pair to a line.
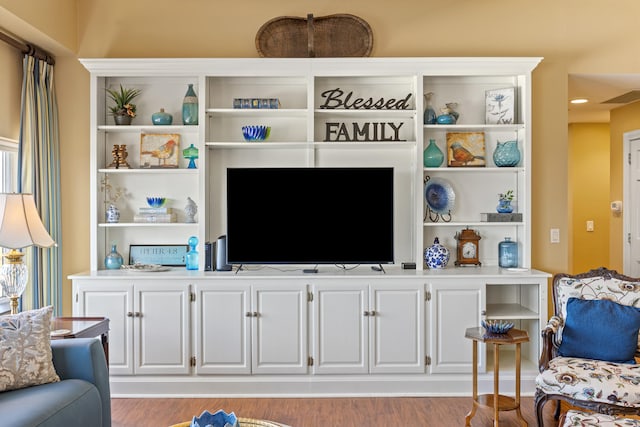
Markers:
598,88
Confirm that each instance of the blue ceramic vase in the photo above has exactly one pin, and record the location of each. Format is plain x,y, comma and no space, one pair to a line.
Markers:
436,255
161,118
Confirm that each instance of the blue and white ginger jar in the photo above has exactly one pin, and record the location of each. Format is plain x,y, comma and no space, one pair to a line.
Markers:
436,255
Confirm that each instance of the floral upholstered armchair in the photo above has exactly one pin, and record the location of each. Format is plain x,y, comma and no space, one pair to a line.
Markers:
590,344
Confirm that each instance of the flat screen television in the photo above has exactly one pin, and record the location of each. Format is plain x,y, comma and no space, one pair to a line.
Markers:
318,215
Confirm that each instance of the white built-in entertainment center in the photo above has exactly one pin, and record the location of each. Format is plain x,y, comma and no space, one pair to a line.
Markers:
274,329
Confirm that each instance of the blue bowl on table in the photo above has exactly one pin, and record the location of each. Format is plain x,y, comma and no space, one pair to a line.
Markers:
497,326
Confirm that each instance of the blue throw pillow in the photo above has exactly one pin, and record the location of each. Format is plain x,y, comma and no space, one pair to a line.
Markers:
600,329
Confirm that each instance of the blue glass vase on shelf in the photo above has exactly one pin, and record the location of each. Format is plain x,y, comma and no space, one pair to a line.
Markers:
504,202
432,156
113,260
192,255
190,107
508,253
429,117
506,154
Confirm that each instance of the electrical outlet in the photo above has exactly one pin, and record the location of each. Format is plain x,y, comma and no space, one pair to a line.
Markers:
554,235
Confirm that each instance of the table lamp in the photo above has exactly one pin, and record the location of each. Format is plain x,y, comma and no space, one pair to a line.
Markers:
20,227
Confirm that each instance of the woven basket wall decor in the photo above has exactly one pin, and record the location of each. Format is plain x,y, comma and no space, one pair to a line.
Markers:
340,35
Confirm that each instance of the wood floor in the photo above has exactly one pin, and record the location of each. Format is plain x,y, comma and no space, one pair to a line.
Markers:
323,412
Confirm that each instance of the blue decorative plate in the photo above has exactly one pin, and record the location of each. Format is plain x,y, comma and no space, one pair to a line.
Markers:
439,195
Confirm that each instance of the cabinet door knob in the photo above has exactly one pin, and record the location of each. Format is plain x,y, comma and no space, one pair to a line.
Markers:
255,314
248,314
129,314
483,312
137,314
373,313
366,313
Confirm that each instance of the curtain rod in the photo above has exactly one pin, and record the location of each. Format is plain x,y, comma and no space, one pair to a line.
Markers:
28,49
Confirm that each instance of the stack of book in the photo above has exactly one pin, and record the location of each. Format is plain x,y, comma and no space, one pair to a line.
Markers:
155,215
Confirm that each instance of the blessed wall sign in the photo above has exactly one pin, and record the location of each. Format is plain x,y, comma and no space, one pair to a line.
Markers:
367,131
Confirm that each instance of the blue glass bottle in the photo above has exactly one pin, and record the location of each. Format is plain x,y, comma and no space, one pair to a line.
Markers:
192,255
432,156
113,260
190,107
507,253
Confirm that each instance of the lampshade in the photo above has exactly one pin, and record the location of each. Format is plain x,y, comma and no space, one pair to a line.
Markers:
20,224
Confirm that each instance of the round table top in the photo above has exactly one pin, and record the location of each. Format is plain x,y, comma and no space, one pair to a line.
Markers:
243,422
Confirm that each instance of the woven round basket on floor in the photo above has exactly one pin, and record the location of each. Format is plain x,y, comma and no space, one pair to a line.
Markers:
340,35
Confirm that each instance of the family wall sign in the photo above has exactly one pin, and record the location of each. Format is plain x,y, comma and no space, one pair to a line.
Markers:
367,131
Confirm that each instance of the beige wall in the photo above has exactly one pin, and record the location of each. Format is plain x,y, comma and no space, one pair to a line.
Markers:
10,84
571,35
589,195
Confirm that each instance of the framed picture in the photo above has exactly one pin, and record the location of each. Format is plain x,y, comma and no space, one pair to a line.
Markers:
500,106
465,149
169,255
159,150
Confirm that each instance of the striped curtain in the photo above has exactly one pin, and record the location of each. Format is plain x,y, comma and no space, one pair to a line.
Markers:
39,174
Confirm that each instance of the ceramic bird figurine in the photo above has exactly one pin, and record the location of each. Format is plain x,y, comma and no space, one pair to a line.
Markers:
462,155
164,152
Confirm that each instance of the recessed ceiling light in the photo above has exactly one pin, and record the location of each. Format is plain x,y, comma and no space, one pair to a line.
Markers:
579,101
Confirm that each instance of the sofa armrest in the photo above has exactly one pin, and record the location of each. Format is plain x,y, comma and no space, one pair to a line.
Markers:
83,358
548,342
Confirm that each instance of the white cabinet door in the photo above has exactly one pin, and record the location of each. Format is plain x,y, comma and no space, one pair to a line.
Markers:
341,328
162,331
279,326
397,327
113,300
222,328
454,307
148,323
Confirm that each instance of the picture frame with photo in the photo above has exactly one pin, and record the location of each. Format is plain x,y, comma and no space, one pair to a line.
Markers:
465,149
500,106
159,150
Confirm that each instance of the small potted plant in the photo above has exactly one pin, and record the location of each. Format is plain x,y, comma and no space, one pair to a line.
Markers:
125,109
504,200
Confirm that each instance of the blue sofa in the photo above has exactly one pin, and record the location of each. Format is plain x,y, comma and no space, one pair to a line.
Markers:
81,398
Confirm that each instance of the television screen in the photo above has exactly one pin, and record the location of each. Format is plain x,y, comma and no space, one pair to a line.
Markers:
310,215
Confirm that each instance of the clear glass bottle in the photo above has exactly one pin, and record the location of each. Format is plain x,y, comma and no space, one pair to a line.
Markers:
507,253
192,255
113,260
190,107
